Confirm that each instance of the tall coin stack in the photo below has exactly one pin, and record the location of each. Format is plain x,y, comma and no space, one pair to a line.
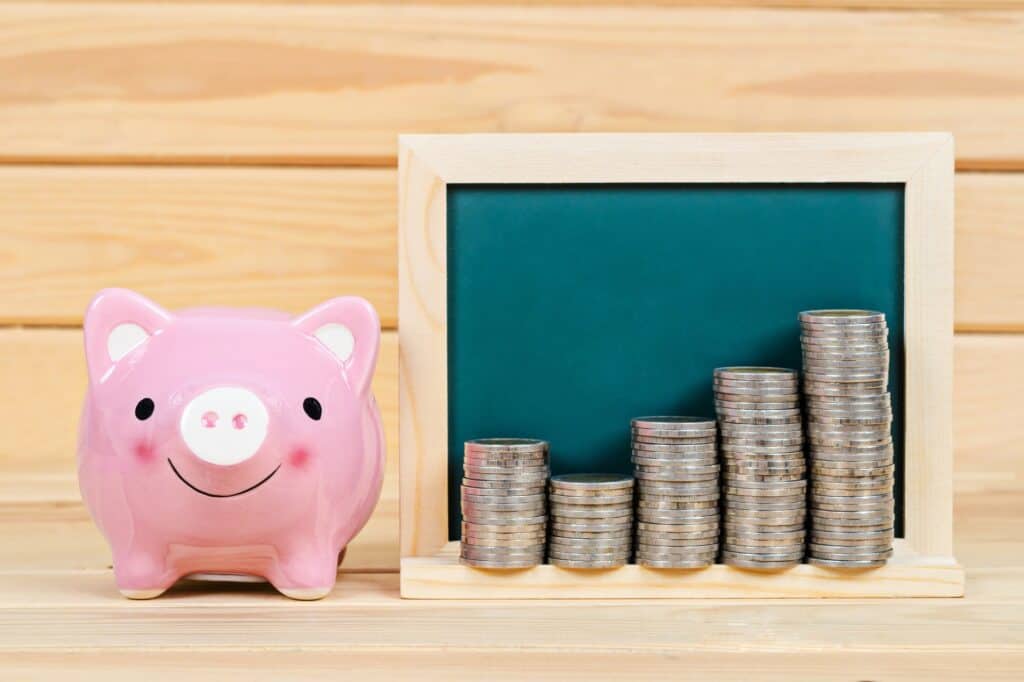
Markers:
764,472
676,467
849,429
504,523
591,520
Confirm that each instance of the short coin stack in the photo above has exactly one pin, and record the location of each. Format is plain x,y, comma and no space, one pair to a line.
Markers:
504,523
591,520
764,472
849,429
676,467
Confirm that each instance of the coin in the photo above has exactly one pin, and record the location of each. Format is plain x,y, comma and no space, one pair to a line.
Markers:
831,563
731,475
688,494
744,559
868,543
653,537
740,530
674,448
841,317
754,373
506,444
590,525
676,504
591,500
854,553
499,553
754,405
681,424
510,487
688,460
590,558
654,489
473,508
739,395
832,525
621,533
590,482
565,563
764,517
587,545
527,562
471,495
674,440
688,552
851,388
647,527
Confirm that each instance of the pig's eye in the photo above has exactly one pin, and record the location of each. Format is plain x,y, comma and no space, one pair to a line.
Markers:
144,409
312,408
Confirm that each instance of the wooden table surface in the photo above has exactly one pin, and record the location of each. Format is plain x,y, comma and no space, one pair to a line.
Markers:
62,614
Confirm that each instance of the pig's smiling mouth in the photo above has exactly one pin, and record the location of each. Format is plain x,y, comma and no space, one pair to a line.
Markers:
203,492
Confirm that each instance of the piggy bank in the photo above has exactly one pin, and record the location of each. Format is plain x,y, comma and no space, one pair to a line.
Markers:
240,442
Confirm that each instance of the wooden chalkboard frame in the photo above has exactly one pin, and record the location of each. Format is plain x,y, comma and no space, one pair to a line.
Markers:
923,563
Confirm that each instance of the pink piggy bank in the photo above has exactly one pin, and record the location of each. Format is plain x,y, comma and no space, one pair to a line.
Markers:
229,441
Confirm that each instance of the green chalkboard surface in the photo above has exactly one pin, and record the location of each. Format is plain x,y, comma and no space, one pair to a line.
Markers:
572,308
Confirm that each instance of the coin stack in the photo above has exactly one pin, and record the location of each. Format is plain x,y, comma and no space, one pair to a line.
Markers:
764,472
504,523
676,467
591,520
849,430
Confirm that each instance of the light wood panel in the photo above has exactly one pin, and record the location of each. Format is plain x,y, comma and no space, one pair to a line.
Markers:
290,238
989,251
988,413
978,5
364,611
277,238
330,84
449,665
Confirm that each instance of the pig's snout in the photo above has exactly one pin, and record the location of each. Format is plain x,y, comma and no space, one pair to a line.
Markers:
224,425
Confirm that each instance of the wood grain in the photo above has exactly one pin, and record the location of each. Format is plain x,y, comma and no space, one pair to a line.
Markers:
977,5
928,356
989,251
423,358
289,238
276,238
336,84
906,574
453,664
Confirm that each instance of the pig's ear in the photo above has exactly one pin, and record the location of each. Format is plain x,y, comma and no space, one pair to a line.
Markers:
350,329
117,322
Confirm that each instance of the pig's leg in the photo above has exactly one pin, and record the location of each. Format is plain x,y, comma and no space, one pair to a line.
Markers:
305,572
142,572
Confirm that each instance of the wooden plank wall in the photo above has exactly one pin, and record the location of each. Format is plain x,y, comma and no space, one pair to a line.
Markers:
242,153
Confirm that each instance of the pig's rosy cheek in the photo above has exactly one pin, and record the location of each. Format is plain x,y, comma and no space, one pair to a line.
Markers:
299,458
143,451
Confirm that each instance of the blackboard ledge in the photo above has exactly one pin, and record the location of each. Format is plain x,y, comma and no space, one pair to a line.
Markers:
906,575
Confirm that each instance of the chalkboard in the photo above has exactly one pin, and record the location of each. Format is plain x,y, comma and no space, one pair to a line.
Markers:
572,308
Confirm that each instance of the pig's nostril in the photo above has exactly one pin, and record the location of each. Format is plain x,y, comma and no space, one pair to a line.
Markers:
209,419
238,421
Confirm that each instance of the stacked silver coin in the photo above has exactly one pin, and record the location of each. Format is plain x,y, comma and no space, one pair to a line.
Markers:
591,520
504,518
849,432
764,472
676,468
